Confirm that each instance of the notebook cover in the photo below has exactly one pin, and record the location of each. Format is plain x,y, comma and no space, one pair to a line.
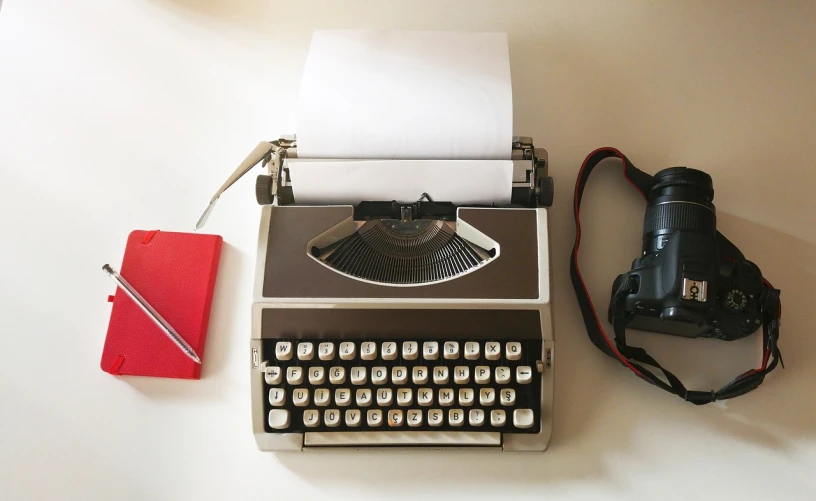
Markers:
175,273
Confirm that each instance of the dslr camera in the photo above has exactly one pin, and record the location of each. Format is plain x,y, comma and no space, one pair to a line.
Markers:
685,283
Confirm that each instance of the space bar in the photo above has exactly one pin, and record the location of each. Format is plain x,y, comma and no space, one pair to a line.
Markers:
401,438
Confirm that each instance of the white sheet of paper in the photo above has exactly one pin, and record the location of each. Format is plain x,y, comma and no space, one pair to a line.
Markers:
354,181
397,95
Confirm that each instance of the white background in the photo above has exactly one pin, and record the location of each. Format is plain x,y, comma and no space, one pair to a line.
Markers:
128,114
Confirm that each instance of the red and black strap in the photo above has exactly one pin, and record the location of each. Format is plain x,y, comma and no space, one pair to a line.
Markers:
635,358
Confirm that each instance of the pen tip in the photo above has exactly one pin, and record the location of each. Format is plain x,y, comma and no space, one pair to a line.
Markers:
107,268
196,359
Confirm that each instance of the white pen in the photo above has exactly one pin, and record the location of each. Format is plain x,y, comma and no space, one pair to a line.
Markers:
152,313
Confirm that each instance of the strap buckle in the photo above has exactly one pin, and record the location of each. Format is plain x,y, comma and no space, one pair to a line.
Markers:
700,397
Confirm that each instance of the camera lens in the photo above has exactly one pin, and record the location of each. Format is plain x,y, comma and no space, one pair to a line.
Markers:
680,200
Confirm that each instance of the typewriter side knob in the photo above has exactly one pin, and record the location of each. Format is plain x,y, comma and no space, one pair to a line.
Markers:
546,191
263,190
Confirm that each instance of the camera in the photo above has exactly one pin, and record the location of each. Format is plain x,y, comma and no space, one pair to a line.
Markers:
684,283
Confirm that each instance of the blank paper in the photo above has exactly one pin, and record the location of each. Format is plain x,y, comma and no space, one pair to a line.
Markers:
351,182
406,95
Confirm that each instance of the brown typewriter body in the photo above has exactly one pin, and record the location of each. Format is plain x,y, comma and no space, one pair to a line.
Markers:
298,299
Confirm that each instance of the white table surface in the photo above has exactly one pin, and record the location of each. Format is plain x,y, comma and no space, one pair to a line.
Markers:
127,115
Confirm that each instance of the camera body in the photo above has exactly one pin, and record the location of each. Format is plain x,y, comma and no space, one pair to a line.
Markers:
681,284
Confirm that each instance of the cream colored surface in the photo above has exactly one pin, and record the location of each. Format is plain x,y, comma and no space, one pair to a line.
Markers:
129,114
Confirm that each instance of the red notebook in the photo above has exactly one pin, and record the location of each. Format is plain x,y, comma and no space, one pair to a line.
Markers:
175,273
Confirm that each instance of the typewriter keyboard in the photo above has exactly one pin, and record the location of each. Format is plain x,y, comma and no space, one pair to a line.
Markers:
401,385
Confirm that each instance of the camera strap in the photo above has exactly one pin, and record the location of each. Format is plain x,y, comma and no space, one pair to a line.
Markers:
636,358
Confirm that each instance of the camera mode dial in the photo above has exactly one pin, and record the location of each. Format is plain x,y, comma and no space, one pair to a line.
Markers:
735,300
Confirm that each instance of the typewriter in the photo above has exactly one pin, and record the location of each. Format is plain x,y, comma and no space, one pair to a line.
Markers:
419,325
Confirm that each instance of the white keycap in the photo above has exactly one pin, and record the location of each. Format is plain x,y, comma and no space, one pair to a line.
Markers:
395,418
364,397
300,397
419,375
358,375
440,375
410,350
466,396
272,375
311,418
305,351
342,397
487,396
347,350
492,350
507,396
389,350
279,419
321,397
435,417
497,417
283,350
472,350
374,417
399,375
456,417
461,374
317,375
325,351
384,397
451,350
424,396
524,374
337,375
294,375
502,375
277,397
379,375
430,350
513,351
481,374
353,418
405,396
476,417
414,417
446,397
523,418
368,350
331,417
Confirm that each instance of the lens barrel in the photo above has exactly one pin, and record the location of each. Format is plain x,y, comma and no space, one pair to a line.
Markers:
680,200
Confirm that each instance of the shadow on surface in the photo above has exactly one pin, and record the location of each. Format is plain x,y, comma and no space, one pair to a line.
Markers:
598,403
775,416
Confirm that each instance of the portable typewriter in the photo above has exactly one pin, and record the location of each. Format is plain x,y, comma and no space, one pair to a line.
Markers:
418,325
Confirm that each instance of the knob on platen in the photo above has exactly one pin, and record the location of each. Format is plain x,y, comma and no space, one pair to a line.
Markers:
263,190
